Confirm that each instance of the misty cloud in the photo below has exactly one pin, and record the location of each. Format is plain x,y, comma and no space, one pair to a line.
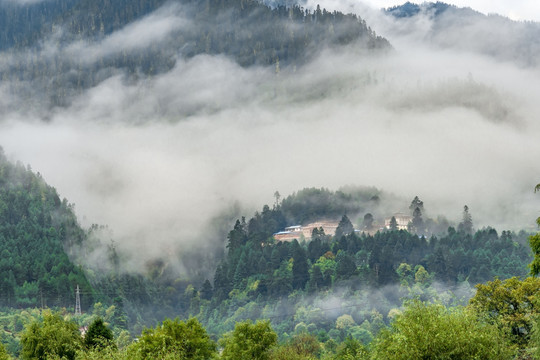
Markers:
21,2
159,158
149,31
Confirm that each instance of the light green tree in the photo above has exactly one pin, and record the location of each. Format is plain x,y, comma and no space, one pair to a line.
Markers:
98,335
249,341
175,339
351,349
512,304
52,338
3,353
431,331
344,322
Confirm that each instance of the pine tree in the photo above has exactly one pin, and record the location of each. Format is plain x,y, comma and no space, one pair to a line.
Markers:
416,203
466,225
206,290
345,227
368,221
316,279
241,273
300,271
393,224
417,221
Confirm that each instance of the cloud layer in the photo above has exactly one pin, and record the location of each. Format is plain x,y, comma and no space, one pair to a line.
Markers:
159,158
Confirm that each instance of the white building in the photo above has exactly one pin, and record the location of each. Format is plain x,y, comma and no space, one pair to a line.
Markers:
402,221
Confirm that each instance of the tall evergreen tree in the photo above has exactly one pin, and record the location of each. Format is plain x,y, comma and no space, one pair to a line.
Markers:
206,290
300,270
466,225
345,227
417,221
416,203
368,221
393,224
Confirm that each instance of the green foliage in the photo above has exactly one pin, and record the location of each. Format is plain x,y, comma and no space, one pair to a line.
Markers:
351,349
312,204
345,227
268,276
288,353
35,228
186,340
302,347
3,353
431,331
54,337
534,343
534,241
512,304
98,335
249,341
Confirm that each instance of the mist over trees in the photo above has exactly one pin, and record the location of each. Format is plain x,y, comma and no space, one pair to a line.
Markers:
463,28
169,120
333,295
248,31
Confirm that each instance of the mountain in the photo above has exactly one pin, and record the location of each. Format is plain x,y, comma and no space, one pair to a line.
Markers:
464,29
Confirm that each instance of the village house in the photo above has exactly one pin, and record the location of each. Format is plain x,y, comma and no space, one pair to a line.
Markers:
299,232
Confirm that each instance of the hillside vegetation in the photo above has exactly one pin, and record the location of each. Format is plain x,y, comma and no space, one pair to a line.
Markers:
36,229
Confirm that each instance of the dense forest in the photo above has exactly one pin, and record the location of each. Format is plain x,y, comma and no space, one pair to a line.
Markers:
36,229
293,282
484,329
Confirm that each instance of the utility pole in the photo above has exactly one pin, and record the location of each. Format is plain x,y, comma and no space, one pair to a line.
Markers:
77,301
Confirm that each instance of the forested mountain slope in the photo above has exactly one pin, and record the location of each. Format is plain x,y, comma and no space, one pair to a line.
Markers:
35,229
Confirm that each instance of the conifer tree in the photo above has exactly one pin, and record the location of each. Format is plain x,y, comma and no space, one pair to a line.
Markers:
345,227
300,271
206,290
466,225
393,224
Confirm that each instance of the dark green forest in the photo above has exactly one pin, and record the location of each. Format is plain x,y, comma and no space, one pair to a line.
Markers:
370,273
37,229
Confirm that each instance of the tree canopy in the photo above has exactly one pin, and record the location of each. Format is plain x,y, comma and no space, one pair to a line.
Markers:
431,331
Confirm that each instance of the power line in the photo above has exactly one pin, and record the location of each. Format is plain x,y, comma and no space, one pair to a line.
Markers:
77,302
